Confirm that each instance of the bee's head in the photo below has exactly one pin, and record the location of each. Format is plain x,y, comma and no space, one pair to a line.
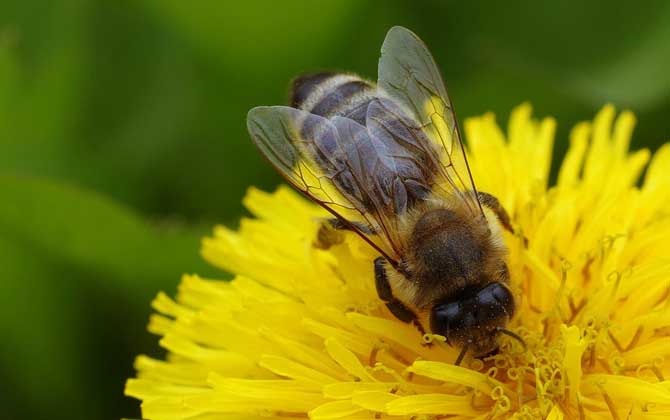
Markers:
475,318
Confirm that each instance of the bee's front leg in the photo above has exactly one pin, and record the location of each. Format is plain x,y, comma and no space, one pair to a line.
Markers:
397,307
491,202
330,232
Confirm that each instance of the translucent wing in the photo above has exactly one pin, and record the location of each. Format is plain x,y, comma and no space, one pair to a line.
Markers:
337,164
408,75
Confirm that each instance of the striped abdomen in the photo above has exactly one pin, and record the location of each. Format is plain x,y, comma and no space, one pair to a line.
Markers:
380,165
329,94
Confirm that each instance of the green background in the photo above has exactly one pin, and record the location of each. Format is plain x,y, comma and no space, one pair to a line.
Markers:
123,141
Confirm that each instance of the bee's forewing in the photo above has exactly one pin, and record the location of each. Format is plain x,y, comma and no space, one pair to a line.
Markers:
330,162
408,75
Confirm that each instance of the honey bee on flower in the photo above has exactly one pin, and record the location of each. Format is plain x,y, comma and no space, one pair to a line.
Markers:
300,332
387,161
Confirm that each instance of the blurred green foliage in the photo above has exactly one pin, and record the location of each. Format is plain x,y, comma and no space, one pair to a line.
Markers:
122,141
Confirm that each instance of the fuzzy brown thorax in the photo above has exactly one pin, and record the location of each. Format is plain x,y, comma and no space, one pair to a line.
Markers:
451,251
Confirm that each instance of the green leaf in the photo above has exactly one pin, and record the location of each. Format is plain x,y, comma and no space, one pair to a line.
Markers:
95,233
78,271
228,29
40,349
8,77
639,78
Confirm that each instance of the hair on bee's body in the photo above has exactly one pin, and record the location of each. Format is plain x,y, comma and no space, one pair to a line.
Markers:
387,153
343,95
329,94
446,241
432,228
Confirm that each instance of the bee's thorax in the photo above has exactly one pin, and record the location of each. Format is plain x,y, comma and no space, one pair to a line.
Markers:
451,251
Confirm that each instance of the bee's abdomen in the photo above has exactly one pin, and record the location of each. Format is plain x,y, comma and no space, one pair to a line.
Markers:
328,94
394,171
305,85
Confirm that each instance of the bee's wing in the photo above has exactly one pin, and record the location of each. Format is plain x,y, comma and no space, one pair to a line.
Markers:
408,75
333,162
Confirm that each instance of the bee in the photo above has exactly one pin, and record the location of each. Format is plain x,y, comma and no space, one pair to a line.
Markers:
387,161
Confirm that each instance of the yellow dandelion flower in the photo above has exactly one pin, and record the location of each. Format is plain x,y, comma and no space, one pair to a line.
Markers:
300,332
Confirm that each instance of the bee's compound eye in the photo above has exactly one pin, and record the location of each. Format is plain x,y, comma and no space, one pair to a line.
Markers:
450,320
474,316
497,300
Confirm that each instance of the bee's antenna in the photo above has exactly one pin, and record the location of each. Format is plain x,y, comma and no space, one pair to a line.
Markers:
461,355
514,335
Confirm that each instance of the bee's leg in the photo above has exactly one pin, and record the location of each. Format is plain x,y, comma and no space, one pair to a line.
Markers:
397,308
492,203
330,234
462,354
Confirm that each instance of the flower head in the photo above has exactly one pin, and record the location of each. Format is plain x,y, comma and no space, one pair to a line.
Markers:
301,332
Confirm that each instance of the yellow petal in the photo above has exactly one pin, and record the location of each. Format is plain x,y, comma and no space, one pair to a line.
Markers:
453,374
334,410
431,404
